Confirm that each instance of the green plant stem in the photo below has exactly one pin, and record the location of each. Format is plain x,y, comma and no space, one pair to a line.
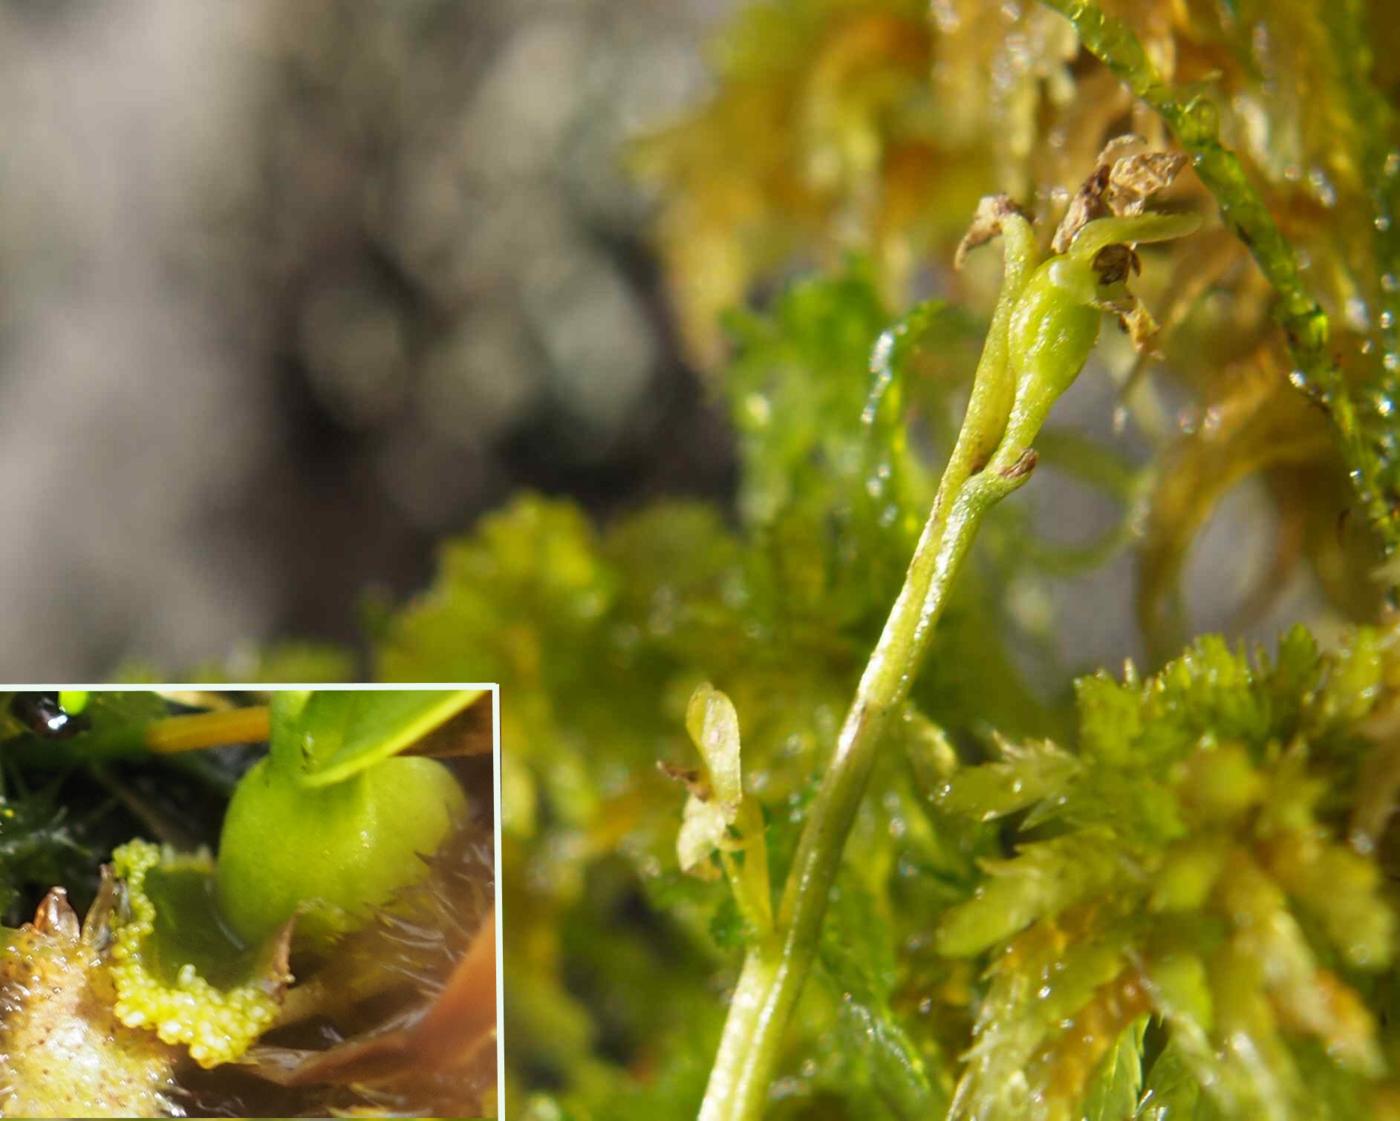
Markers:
1360,419
777,963
203,730
775,968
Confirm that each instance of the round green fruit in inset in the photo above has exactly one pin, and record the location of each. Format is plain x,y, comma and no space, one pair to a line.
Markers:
330,854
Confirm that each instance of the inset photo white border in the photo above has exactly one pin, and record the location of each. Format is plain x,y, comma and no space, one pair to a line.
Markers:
492,687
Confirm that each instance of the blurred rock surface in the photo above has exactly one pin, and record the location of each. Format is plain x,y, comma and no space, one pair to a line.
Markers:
288,292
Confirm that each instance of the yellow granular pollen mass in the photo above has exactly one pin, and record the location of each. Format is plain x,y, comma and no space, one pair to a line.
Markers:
217,1025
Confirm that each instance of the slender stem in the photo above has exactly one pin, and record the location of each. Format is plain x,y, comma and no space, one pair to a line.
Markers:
776,967
777,963
207,729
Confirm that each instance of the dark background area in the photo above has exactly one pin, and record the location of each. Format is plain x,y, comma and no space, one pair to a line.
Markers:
290,292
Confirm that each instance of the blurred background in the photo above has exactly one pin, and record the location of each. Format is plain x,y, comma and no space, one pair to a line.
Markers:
290,292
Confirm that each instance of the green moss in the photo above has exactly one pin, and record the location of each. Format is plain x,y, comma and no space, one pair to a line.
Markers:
1198,849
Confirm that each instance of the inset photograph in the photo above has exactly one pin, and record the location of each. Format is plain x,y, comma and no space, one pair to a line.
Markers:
252,902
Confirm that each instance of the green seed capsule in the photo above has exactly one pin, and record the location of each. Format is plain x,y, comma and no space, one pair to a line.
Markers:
1052,330
331,854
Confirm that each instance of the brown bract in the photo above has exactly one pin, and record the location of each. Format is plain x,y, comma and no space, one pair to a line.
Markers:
1121,185
443,1048
992,211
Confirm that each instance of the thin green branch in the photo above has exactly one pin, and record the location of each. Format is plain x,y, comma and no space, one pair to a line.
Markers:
776,965
775,969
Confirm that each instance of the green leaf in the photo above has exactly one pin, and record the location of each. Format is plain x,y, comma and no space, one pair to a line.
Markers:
1043,879
1034,992
859,963
1114,1092
1029,773
1173,1092
329,735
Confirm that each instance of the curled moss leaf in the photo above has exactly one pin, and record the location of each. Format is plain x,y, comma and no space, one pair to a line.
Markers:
176,967
1036,987
1029,773
715,792
714,729
1043,879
